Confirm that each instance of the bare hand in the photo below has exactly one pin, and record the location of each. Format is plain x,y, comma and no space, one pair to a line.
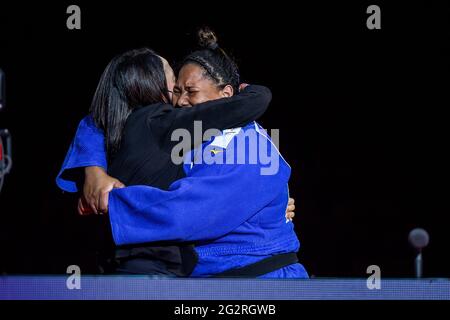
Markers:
290,214
242,86
83,207
97,185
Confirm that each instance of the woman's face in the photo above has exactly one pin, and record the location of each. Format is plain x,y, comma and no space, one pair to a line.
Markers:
192,87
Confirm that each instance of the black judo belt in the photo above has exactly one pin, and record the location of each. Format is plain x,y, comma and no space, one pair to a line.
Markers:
261,267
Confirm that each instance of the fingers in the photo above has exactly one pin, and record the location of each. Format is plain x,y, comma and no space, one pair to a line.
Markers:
118,185
96,190
93,205
103,204
90,202
94,201
242,86
83,207
80,207
98,203
290,214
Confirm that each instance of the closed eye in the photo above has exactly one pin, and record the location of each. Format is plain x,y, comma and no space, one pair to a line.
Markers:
176,91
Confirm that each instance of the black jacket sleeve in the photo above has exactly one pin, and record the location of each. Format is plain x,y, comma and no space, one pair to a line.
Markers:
236,111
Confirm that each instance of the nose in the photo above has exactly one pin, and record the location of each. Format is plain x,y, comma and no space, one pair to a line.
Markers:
183,101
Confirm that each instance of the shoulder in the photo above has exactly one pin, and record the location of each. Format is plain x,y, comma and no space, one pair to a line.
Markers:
228,135
147,114
152,110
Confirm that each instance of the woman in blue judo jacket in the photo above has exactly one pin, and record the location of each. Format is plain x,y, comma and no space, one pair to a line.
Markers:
233,212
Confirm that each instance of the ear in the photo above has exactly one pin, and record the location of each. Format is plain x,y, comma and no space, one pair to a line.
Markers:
227,91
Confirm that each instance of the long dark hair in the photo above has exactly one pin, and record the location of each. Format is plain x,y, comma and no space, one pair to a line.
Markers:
217,65
131,80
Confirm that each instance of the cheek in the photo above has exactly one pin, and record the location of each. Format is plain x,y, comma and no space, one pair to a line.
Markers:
213,94
199,97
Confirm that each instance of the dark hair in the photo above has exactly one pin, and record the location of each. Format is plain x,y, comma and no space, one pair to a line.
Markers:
218,66
131,80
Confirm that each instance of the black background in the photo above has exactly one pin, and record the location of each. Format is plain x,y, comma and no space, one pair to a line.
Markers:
361,115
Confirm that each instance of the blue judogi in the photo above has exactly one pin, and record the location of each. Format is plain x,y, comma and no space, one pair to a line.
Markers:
87,149
232,202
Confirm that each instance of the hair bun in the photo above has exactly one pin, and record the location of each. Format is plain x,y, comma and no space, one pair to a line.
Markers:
207,38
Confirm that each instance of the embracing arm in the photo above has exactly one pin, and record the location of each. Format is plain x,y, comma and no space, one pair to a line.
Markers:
225,113
199,207
88,147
